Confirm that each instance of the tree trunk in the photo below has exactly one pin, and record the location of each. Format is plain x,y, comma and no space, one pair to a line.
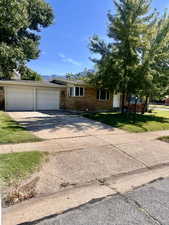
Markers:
128,106
145,109
135,110
123,103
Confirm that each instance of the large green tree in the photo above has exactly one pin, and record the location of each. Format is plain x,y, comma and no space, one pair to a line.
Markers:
154,67
136,59
84,75
28,74
20,23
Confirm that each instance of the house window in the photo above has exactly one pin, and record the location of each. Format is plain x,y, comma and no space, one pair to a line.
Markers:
71,91
76,92
103,95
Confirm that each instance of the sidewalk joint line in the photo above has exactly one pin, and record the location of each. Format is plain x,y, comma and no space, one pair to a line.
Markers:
125,153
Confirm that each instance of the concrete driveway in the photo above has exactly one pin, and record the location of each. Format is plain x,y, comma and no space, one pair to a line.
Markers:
52,125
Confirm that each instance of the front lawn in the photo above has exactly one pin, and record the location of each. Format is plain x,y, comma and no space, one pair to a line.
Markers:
16,166
158,120
158,106
12,132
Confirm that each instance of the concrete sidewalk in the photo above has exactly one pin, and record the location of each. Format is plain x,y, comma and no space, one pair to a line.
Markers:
88,141
80,161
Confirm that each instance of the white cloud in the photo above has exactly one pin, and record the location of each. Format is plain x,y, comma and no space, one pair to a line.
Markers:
61,55
69,60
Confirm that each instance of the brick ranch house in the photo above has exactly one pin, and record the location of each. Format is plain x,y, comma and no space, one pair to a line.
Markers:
20,95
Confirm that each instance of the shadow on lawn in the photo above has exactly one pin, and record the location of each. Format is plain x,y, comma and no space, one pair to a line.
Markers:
120,121
13,126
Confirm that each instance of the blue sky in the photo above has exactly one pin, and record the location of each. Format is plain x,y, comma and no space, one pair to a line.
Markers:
64,45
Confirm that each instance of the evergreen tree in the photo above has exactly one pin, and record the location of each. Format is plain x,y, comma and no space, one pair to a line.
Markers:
133,62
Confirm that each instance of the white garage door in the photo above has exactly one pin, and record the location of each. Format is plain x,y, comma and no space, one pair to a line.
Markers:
18,98
48,99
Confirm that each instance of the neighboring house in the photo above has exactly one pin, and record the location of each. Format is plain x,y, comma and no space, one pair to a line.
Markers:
58,94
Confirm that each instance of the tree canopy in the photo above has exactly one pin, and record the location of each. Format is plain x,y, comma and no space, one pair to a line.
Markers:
28,74
20,23
135,61
84,75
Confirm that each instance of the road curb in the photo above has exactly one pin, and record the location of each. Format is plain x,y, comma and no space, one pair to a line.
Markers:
54,204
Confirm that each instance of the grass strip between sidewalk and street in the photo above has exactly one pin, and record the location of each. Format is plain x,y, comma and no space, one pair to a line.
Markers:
16,166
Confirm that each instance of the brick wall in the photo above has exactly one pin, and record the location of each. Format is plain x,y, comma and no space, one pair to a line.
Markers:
88,102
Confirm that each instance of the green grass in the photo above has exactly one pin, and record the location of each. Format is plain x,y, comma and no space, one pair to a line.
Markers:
12,132
15,166
158,106
158,120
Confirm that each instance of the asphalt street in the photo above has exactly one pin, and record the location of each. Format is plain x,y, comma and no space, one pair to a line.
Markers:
148,205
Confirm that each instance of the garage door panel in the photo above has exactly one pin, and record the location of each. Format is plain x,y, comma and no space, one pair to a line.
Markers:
30,98
19,98
48,99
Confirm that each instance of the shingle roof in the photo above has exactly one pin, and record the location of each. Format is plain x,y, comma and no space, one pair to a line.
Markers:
30,83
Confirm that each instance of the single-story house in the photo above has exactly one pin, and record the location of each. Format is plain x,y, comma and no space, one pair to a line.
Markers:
18,95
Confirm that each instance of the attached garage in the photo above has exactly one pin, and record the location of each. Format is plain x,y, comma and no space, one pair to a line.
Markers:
31,96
